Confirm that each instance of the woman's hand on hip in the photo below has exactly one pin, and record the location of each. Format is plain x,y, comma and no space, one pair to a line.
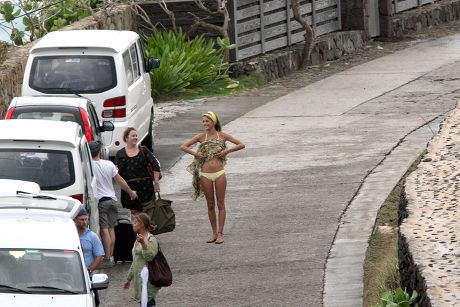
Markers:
199,155
223,153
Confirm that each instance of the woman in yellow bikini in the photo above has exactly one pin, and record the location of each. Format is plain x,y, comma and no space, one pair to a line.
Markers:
208,169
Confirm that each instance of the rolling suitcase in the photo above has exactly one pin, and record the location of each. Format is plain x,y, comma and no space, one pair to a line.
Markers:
124,240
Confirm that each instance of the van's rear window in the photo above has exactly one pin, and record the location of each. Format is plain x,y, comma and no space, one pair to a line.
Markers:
73,74
51,169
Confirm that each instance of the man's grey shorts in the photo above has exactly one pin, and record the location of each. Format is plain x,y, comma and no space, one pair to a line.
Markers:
108,214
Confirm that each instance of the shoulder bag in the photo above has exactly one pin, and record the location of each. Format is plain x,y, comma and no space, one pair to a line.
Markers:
161,213
160,274
148,165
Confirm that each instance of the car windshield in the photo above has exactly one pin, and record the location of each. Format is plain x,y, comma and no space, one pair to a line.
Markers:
51,169
41,271
73,74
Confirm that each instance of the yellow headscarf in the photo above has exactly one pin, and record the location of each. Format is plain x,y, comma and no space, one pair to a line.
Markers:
212,116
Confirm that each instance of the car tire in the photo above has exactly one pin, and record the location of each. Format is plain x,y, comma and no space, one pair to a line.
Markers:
148,141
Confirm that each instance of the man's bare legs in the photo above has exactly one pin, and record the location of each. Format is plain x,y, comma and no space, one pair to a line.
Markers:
108,241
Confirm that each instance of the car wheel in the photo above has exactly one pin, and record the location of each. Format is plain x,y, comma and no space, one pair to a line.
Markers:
148,141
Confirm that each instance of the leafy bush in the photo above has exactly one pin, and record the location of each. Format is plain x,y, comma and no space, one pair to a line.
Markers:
397,298
185,63
41,16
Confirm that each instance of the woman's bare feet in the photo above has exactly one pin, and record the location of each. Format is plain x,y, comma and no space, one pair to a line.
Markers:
213,238
219,239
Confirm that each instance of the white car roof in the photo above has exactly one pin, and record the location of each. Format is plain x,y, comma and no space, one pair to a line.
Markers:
39,204
11,186
112,40
32,231
78,102
67,133
38,221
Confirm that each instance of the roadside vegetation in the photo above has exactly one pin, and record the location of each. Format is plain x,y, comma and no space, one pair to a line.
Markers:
381,272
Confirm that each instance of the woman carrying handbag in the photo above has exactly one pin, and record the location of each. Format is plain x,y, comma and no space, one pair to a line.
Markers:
132,162
144,250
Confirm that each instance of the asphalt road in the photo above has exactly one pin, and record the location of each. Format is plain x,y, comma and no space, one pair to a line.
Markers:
303,195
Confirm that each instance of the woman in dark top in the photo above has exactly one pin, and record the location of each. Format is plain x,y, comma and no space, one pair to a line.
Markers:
132,164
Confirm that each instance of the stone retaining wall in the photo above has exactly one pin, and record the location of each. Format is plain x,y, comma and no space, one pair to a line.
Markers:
429,249
417,19
12,70
278,64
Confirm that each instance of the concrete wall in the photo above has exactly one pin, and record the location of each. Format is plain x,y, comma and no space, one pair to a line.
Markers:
12,70
429,249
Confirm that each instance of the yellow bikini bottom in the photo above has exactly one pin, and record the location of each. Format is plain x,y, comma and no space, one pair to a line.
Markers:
212,176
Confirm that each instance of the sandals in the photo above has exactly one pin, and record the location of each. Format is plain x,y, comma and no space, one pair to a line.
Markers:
219,239
213,239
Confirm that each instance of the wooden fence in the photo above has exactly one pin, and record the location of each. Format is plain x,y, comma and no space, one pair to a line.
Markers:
404,5
256,26
259,26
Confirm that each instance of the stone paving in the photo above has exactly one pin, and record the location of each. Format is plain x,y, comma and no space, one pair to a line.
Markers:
431,230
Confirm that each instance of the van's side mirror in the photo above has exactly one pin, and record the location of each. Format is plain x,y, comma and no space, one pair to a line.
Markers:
153,63
106,126
99,281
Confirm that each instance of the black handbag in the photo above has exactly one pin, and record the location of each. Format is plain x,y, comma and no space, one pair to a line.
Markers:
161,214
160,274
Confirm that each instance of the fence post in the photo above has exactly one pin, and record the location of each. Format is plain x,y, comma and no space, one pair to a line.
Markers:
262,26
288,22
232,30
313,15
339,13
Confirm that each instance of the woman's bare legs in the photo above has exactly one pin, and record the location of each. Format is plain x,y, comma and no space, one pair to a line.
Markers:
220,187
208,189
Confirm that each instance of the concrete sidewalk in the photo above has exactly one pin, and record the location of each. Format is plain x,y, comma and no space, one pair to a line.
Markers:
302,197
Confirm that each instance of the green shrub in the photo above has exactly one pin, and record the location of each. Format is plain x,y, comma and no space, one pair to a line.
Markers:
185,63
397,298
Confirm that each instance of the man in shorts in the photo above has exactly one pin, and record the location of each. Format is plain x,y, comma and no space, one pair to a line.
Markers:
105,171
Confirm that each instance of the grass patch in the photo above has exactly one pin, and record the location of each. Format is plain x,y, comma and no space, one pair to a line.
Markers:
219,88
381,272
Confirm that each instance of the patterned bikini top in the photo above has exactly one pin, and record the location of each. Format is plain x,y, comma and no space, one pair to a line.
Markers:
211,148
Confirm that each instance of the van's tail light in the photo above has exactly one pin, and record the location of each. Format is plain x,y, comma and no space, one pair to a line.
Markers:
9,114
112,103
86,124
115,102
78,197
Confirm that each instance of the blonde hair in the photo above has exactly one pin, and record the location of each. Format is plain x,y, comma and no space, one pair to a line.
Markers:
213,116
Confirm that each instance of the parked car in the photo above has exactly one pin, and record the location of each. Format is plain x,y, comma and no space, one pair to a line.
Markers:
107,67
41,259
9,186
61,108
53,154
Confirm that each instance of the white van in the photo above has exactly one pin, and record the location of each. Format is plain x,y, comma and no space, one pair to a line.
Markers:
41,260
107,67
53,154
